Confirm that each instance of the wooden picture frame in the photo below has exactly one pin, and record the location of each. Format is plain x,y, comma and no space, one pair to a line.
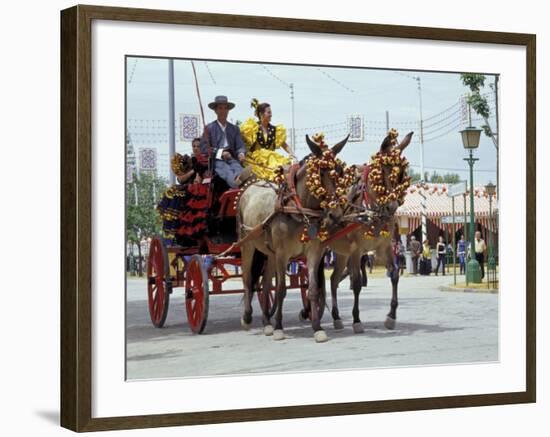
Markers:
76,217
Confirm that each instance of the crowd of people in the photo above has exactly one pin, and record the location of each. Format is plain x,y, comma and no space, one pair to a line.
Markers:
421,255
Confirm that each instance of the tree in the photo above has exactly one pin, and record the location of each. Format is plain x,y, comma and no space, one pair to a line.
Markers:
142,219
415,176
446,178
478,102
476,82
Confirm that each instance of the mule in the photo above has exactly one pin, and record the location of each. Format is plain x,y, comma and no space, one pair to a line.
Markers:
292,220
382,227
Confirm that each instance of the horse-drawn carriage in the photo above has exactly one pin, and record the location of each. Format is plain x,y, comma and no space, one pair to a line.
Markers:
315,204
205,268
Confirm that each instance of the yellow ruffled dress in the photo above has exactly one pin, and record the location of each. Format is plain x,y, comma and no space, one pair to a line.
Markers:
261,153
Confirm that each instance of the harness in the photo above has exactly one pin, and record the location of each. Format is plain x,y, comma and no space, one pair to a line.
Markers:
288,202
366,212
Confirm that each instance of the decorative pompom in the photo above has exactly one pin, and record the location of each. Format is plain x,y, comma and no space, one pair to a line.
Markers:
323,235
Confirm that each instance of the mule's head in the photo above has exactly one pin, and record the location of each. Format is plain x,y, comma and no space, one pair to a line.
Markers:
327,177
387,179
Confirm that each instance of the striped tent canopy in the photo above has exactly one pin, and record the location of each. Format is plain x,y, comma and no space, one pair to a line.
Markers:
439,204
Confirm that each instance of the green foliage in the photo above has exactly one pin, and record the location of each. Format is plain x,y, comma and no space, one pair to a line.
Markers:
415,175
142,196
479,104
475,82
448,178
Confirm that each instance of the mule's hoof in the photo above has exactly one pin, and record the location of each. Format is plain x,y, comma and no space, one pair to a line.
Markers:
302,316
389,323
338,324
358,328
268,330
320,336
245,325
278,334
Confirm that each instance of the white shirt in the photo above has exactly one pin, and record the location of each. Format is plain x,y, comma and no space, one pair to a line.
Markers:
480,246
222,127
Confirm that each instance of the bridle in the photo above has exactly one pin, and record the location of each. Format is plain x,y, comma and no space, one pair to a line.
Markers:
369,211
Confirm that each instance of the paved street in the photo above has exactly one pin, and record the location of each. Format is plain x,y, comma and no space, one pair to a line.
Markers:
433,327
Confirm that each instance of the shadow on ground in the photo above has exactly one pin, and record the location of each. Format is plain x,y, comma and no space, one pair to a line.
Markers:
49,416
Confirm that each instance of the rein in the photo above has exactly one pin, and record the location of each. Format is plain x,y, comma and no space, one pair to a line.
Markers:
342,233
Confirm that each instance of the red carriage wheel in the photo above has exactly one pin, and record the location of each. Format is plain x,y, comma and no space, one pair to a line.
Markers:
196,294
304,284
159,284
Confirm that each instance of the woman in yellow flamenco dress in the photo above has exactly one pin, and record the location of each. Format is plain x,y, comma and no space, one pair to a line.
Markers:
262,139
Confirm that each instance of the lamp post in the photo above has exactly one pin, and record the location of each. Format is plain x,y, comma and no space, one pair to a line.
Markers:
490,189
470,141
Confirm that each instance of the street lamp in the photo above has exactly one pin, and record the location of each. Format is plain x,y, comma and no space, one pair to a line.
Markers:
490,189
470,141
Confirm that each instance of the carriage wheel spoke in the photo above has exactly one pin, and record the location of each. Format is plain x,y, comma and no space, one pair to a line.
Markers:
158,302
155,310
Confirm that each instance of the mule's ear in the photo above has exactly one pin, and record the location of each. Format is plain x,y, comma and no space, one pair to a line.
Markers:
386,144
314,147
338,147
406,141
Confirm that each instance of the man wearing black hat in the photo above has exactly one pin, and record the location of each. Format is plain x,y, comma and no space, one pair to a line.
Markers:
224,138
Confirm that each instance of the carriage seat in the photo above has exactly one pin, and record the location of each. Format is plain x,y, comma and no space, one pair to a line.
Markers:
227,203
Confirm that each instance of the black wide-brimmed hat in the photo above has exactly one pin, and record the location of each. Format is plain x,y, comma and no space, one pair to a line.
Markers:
218,100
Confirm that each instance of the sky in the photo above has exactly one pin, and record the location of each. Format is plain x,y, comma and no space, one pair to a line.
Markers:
324,98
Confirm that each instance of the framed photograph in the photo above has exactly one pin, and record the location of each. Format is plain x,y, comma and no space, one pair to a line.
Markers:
269,218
